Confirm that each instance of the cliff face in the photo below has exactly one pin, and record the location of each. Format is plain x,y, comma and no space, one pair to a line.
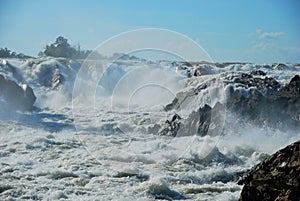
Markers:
276,178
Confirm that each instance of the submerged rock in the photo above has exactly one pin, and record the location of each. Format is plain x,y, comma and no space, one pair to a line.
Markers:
160,190
18,97
276,178
216,157
258,72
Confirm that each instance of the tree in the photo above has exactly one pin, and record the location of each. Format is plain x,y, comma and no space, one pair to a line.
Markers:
6,53
41,54
61,48
62,41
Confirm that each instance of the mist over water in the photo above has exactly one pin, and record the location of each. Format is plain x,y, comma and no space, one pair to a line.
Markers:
96,135
147,86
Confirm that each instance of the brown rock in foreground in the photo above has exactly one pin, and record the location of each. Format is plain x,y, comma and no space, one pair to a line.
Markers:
277,178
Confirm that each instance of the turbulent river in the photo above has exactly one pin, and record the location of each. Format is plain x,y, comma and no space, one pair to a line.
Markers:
84,141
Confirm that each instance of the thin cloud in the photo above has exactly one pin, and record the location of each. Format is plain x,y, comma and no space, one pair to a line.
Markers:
265,43
270,35
267,40
271,45
262,46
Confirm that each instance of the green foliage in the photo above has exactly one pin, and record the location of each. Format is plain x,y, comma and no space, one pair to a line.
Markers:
61,48
6,53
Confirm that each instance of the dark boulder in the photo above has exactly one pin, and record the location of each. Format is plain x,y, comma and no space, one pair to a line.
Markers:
216,157
198,122
205,120
288,97
295,79
276,178
267,103
253,100
170,128
57,79
258,72
171,105
203,70
266,85
18,97
280,66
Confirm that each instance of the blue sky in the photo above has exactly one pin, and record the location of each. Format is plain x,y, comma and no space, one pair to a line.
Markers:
260,31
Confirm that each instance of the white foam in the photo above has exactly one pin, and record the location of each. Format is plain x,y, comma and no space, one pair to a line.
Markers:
111,146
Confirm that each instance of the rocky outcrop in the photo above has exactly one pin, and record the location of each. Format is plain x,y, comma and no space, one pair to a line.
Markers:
265,85
266,103
51,73
253,98
289,96
18,97
169,128
206,120
276,178
57,79
199,122
204,70
47,73
7,68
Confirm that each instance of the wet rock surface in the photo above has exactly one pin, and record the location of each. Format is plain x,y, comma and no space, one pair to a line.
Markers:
276,178
46,73
170,127
268,104
18,97
290,95
253,98
201,122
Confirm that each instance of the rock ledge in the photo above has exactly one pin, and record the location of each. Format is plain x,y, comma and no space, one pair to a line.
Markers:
276,178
